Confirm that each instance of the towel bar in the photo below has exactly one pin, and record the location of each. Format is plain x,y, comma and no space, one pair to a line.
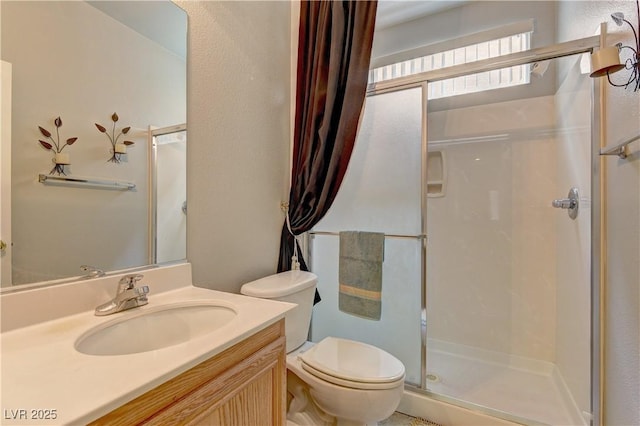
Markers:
416,237
621,149
82,181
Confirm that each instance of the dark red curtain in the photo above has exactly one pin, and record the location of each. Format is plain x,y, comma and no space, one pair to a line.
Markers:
334,49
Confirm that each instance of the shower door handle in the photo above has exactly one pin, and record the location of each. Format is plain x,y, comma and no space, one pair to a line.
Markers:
571,204
564,203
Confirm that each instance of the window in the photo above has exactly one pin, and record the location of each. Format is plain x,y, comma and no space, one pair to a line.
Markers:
507,77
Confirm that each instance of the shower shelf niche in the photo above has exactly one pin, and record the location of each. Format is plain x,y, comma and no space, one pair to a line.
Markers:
436,174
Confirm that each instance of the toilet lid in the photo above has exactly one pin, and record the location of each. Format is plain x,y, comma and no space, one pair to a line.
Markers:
351,361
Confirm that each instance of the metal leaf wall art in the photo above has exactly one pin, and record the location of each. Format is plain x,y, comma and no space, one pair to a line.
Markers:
117,148
60,159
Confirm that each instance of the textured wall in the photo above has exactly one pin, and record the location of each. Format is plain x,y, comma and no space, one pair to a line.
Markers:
238,113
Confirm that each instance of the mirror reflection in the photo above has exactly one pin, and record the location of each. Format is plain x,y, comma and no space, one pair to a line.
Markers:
121,65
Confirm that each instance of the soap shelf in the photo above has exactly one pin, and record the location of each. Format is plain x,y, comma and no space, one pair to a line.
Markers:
436,174
83,181
621,149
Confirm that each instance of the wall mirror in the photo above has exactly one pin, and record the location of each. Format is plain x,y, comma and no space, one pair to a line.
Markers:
83,62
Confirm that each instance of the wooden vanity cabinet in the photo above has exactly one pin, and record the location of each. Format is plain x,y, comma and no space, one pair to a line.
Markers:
243,386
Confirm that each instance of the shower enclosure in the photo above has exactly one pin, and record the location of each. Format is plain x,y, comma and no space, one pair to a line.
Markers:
489,293
168,179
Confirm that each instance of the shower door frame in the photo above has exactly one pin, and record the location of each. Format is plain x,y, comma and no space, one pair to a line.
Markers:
422,80
153,187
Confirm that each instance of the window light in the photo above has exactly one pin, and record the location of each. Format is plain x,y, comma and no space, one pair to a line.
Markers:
506,77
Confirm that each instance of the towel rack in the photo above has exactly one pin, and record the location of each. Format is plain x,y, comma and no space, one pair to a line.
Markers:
82,181
413,237
620,149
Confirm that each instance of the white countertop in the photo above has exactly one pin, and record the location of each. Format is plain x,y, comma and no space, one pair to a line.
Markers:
41,369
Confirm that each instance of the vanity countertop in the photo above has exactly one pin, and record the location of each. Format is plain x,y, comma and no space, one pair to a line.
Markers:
45,380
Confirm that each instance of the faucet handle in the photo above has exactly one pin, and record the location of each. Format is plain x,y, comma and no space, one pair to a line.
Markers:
91,271
129,281
142,292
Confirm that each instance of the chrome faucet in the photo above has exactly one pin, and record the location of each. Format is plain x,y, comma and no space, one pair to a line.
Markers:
91,272
128,296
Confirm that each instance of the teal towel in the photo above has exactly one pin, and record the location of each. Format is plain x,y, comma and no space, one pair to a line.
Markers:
360,273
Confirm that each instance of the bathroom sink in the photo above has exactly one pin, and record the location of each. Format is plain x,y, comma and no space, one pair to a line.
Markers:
154,328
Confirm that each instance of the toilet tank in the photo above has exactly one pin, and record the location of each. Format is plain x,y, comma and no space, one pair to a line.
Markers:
294,287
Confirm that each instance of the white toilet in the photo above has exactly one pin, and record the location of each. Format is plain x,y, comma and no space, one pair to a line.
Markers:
335,379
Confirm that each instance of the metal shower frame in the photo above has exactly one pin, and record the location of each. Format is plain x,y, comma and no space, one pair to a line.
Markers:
575,47
153,185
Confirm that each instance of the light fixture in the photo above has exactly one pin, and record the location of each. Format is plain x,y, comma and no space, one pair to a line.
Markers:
606,61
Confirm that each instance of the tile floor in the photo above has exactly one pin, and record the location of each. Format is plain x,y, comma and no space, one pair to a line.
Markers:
399,419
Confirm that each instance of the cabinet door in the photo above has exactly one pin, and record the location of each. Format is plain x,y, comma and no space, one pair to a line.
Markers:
249,393
250,406
244,385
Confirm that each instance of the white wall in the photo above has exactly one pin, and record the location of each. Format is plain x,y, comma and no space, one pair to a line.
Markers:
239,83
65,64
622,299
468,19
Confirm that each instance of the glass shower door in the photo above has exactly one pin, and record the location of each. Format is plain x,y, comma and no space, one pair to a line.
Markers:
380,193
508,276
169,193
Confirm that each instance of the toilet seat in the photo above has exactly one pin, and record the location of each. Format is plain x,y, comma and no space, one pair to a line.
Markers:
352,364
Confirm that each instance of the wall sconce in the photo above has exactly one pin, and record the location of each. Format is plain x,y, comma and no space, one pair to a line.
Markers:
56,145
606,61
118,149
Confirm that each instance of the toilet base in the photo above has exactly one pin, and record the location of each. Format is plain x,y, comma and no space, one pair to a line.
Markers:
304,410
301,409
307,419
308,406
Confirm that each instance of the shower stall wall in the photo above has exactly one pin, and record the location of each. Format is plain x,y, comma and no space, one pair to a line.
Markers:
486,287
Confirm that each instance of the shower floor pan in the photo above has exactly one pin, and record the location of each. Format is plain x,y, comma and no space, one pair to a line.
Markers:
531,390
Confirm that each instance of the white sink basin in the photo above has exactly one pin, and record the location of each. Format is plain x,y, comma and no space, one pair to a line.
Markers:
154,328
